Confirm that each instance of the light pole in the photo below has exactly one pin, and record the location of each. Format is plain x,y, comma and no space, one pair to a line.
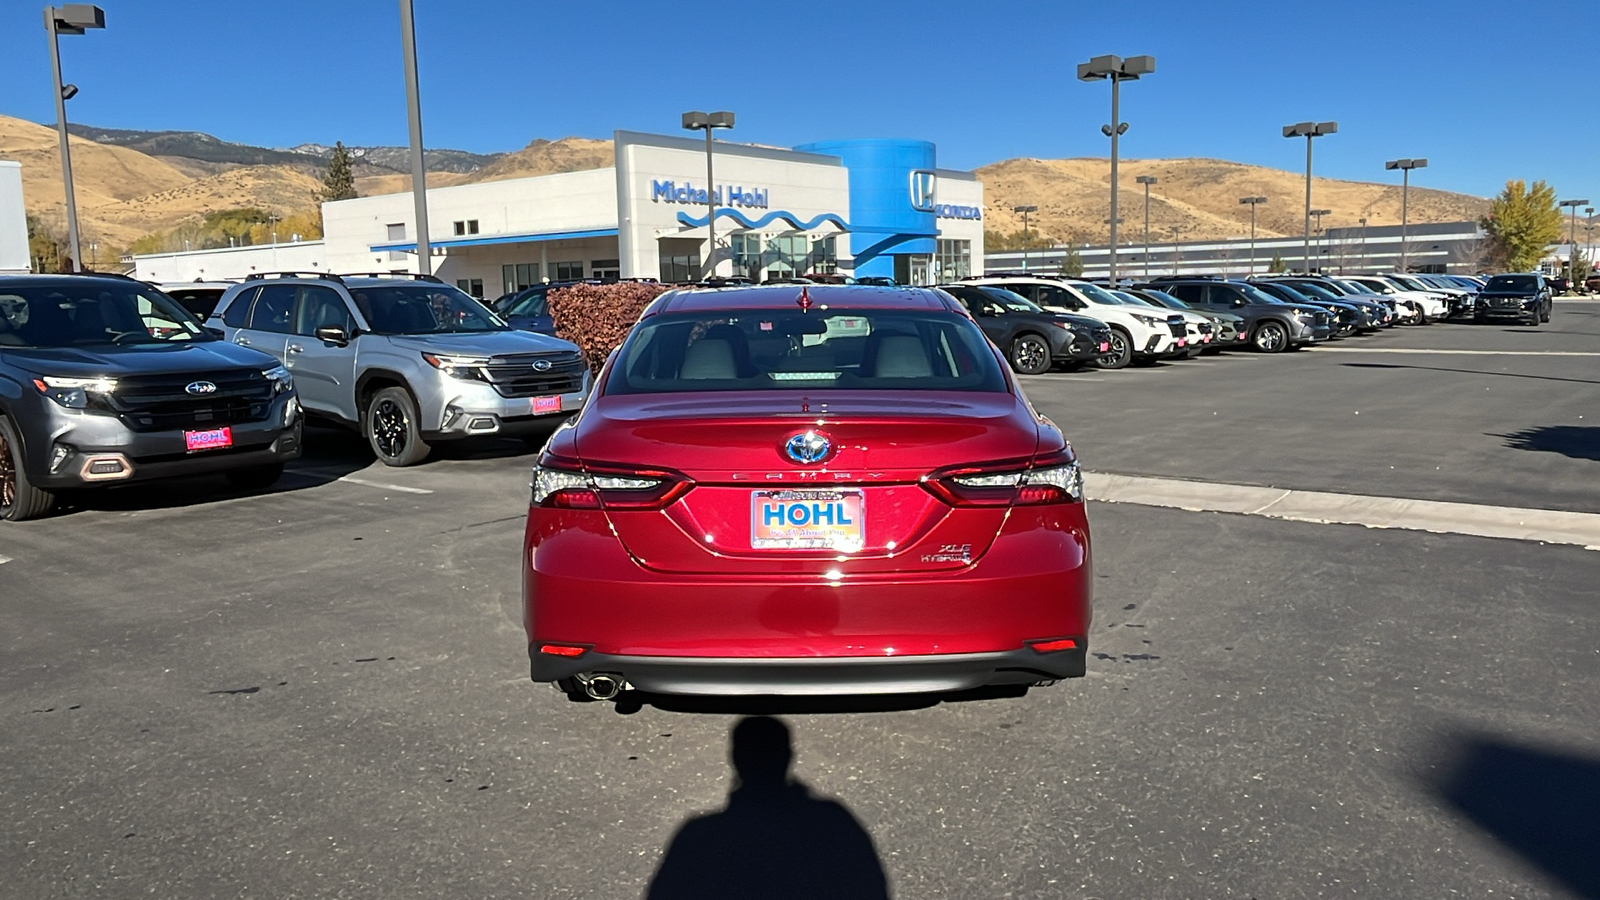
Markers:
1363,221
1588,233
1117,70
707,122
69,18
1025,210
1572,235
1309,131
1176,230
1405,166
419,171
1252,202
1318,213
1146,180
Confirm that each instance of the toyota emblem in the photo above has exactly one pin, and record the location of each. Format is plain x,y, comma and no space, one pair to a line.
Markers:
808,447
200,387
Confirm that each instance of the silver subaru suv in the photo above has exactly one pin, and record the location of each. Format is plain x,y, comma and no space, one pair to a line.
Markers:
406,359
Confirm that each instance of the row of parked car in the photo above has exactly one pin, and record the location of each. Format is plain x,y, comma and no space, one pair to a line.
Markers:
107,380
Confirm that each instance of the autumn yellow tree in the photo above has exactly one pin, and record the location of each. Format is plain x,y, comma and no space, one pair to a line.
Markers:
1522,222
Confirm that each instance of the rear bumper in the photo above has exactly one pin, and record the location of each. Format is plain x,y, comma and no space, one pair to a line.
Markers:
735,676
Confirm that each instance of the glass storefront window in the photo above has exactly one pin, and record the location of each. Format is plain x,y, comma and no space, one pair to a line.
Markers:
519,276
953,261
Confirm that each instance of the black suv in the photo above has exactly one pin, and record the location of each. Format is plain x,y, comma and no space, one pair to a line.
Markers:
105,380
1273,326
1031,337
1523,296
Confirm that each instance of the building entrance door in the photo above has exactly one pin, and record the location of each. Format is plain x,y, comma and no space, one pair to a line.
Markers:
913,268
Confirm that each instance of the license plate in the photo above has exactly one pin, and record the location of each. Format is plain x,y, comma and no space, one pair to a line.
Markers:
215,439
806,520
1182,342
545,405
1105,346
1205,338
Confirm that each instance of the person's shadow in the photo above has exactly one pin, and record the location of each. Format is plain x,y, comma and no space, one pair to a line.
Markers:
774,840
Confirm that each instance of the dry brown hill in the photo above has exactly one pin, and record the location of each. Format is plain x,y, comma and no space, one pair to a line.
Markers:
542,157
1199,196
102,174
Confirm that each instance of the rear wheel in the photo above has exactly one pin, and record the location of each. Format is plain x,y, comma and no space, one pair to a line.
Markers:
19,499
393,428
256,477
1030,355
1121,351
1270,337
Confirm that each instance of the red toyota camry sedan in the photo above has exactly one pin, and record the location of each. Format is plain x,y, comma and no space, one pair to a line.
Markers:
819,490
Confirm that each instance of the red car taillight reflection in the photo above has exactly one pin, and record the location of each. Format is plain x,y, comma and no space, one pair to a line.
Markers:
564,483
1047,479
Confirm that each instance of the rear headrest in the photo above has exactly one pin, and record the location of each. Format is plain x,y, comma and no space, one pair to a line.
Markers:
709,358
902,356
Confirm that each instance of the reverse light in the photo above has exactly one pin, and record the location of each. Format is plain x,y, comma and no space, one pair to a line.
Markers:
569,484
1054,478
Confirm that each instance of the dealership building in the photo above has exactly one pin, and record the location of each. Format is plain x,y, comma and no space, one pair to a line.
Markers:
858,207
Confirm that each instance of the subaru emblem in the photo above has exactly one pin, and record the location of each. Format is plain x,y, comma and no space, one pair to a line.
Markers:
541,365
808,447
200,387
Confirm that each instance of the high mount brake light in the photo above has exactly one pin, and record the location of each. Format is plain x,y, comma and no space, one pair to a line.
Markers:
562,483
1053,478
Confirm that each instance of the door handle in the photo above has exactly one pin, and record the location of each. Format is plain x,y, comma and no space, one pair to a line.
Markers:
295,348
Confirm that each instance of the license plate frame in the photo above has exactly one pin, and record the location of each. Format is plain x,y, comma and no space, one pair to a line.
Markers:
208,439
544,406
804,534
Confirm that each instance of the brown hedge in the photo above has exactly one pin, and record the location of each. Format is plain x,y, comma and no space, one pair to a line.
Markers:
597,317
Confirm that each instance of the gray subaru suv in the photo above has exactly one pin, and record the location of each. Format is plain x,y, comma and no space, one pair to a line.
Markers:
105,380
405,359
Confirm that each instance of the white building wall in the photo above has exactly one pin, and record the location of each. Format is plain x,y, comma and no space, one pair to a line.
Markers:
963,190
805,184
13,221
232,263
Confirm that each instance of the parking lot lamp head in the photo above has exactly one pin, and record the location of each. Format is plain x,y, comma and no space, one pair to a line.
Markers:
69,18
1116,70
694,120
1309,131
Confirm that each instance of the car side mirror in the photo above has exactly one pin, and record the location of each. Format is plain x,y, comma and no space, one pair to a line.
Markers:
216,332
1238,302
333,334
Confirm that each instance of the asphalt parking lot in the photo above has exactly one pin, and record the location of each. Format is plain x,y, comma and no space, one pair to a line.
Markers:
321,690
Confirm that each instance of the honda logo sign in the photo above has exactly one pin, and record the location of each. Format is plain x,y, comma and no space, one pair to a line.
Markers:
922,189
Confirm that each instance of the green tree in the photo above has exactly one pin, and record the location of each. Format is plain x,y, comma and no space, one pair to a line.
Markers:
338,183
1578,267
1277,264
1522,222
46,249
1071,263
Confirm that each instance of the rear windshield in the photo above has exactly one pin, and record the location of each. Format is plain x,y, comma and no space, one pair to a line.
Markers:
528,303
422,309
91,312
833,349
1513,283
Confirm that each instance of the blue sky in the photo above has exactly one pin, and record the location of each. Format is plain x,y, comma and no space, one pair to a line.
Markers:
1486,89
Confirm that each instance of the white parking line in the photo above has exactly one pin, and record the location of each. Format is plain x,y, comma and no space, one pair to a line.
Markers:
4,560
1516,523
1460,352
351,479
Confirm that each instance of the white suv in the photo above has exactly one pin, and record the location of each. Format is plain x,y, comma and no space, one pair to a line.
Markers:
1138,333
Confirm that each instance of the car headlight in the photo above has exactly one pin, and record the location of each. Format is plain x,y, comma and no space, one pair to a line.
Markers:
73,392
1149,320
1303,313
467,367
282,381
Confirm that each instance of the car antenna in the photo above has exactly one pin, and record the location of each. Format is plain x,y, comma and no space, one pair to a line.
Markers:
805,299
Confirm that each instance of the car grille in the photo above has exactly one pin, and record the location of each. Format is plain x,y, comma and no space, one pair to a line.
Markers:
163,403
519,375
1505,302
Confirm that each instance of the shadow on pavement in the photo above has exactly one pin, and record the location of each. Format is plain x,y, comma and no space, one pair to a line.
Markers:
1355,365
1576,441
825,705
774,840
1542,804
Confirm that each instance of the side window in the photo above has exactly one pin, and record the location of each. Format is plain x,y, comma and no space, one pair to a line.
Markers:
1188,293
1220,295
1027,290
1047,295
273,308
321,307
239,310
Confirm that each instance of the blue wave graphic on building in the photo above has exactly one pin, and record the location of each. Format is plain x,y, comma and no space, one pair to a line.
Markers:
765,220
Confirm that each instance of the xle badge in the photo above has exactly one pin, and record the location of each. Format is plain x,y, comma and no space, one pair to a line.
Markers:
961,553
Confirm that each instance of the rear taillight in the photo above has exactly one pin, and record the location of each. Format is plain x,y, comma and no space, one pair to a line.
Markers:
1047,479
564,483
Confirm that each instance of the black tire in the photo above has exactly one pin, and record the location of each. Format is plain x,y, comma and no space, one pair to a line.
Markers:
19,499
393,428
1030,354
1269,337
1121,351
1545,316
255,478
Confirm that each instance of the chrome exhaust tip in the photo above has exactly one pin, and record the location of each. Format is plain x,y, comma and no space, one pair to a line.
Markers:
600,686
